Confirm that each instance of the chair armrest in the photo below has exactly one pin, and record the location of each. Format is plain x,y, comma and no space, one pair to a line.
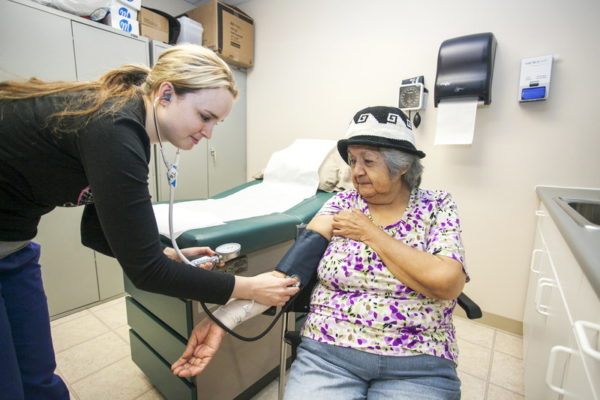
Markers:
471,308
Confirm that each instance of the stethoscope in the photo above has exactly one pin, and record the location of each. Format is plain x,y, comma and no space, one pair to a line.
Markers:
225,252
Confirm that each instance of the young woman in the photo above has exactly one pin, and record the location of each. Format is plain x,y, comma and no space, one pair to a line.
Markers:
88,143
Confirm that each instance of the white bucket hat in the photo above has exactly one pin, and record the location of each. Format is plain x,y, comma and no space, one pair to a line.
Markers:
380,126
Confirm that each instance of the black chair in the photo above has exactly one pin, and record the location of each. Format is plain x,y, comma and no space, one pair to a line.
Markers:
301,304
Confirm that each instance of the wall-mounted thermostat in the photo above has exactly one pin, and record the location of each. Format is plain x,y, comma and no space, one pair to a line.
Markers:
534,84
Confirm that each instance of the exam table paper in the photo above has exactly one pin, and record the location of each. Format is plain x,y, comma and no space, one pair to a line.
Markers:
456,121
291,176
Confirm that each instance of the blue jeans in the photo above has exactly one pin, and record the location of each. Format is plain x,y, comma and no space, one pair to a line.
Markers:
26,355
325,372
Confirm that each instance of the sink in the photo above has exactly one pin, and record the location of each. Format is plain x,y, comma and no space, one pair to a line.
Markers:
585,212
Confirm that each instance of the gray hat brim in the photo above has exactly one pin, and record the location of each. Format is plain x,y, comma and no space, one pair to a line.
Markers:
376,141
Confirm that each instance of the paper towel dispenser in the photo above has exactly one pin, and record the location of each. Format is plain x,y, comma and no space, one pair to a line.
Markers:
465,68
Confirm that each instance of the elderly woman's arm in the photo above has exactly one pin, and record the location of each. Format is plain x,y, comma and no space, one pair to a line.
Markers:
435,276
322,224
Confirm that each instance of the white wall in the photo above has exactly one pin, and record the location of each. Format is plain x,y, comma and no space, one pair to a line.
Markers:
172,7
318,62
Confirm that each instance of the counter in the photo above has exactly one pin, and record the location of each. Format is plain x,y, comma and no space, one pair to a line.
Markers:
583,243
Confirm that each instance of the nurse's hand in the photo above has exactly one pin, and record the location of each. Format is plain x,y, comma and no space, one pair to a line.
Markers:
203,344
191,253
265,288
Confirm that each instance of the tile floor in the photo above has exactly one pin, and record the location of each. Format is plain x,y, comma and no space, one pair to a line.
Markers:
92,352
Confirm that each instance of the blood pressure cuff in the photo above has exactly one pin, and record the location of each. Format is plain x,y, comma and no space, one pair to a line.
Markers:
302,259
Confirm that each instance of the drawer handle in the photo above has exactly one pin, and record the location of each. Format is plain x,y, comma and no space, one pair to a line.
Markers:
585,344
532,263
540,213
551,364
541,308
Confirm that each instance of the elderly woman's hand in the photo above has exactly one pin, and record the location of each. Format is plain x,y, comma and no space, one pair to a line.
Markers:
202,346
353,224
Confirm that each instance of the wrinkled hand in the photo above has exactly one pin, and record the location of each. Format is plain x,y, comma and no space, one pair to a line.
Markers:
352,224
192,252
202,346
273,290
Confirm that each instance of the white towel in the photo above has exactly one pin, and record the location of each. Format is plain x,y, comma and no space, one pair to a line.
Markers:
290,177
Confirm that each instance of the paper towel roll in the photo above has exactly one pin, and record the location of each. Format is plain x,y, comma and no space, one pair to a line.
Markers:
456,121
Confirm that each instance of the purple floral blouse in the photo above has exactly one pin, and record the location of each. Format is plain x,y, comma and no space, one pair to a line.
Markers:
358,303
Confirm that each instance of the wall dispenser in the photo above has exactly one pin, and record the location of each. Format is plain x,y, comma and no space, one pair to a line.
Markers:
465,67
534,84
463,81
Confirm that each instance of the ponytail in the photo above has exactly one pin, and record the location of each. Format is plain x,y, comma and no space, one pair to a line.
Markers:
187,67
121,84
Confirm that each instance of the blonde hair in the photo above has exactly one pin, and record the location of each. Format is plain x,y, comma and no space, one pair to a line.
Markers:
188,67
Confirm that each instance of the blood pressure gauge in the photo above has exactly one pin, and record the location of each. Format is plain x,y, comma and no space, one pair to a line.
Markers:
225,252
228,251
411,96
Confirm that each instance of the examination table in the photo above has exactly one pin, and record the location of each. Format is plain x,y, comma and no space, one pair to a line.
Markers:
160,325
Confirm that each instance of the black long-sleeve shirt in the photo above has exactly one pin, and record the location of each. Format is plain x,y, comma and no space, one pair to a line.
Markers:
103,166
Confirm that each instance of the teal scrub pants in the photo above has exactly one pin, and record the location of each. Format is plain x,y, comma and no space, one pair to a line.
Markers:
27,360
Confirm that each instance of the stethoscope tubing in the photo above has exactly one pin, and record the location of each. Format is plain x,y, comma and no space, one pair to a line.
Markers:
172,170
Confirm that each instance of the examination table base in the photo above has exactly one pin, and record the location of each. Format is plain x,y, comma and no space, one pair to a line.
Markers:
160,326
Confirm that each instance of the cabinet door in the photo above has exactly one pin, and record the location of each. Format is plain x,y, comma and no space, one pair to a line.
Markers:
156,48
68,269
192,179
97,50
587,304
546,324
46,41
158,179
539,268
557,333
214,165
227,148
577,381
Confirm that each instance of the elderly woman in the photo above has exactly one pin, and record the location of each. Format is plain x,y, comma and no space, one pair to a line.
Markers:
380,321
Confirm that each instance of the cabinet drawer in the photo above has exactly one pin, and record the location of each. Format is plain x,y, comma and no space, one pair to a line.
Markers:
159,372
567,270
164,340
174,312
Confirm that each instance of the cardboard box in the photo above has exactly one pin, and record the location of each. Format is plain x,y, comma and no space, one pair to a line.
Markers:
153,25
227,30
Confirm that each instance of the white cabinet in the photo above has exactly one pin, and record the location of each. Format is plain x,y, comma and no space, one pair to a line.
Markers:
227,147
558,365
214,165
33,43
58,46
98,50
